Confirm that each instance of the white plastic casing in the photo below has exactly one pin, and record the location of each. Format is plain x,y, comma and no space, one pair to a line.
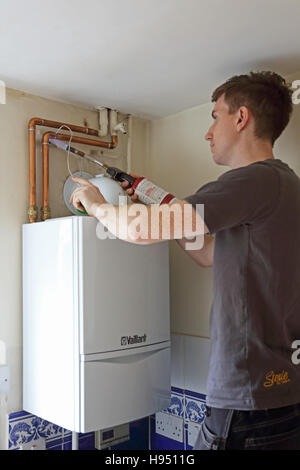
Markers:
96,326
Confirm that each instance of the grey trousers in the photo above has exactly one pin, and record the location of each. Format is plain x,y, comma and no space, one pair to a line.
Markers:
272,429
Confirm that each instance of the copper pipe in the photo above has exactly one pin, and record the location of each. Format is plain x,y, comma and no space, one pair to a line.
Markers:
45,155
32,210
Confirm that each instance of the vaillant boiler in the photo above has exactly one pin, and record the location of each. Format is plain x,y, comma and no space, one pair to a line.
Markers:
96,325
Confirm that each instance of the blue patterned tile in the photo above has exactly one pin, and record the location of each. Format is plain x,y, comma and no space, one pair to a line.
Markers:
198,396
177,390
25,427
177,403
16,415
195,409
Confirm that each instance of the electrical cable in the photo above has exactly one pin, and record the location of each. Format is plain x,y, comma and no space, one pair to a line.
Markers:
68,152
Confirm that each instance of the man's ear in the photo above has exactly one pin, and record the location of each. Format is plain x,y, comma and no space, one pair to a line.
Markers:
242,118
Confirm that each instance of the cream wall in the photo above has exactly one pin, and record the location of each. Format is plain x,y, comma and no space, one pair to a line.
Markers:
181,162
179,159
14,117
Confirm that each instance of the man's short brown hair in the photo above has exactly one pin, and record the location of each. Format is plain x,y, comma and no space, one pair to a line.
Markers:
268,97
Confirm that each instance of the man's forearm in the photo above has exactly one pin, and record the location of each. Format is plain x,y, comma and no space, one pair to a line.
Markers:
122,222
204,256
116,220
138,223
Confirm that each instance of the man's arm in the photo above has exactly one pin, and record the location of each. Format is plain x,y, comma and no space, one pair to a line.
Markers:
205,256
141,224
138,223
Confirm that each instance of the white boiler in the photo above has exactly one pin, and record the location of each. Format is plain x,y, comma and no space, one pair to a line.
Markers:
96,326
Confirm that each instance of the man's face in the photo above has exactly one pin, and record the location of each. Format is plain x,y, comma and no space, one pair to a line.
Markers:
222,133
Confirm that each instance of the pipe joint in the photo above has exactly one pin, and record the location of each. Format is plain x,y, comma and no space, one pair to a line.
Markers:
32,213
45,213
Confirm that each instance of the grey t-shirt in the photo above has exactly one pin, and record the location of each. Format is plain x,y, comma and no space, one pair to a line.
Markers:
254,212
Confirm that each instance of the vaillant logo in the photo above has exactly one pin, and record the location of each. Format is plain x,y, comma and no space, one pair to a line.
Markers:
125,340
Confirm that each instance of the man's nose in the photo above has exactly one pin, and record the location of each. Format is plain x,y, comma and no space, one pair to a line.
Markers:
208,135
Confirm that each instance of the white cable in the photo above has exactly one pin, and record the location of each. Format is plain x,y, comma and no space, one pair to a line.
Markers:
68,153
70,140
129,144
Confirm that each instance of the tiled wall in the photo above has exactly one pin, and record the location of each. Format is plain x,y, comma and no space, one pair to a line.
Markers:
25,429
190,408
189,367
189,364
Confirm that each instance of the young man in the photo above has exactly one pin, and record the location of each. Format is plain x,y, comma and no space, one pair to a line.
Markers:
253,385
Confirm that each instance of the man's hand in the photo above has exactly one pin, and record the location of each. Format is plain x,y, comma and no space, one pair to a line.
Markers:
86,197
129,190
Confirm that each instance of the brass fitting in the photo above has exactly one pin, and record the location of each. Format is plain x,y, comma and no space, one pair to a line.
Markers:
45,213
32,213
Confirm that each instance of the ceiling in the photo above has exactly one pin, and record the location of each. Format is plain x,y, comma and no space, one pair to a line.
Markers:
149,58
